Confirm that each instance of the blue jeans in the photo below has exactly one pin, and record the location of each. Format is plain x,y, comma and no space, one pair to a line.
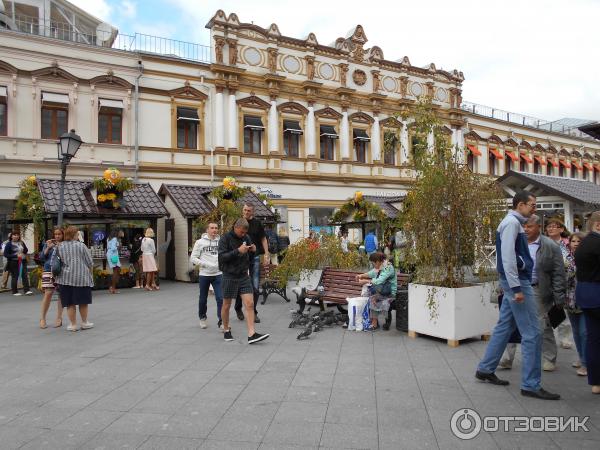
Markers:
523,316
255,272
205,282
579,334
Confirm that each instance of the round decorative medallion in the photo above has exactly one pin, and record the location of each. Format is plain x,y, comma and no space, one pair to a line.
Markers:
291,64
441,95
326,71
359,77
252,56
389,84
416,89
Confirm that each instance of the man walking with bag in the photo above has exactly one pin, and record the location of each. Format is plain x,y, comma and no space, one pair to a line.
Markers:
519,307
549,284
205,256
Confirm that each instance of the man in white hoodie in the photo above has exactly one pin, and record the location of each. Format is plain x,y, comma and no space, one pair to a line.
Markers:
205,256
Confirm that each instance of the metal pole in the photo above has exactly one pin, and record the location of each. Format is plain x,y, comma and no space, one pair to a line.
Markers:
137,120
61,203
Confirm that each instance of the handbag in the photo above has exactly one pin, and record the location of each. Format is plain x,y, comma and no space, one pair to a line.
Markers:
556,315
114,259
56,263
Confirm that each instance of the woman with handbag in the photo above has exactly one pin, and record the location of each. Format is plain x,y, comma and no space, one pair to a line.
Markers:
15,252
148,260
383,286
135,259
112,257
48,282
73,262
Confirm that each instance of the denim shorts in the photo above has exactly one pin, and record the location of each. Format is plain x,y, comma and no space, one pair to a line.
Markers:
234,286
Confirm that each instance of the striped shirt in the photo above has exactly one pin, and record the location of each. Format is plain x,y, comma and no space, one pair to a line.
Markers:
76,264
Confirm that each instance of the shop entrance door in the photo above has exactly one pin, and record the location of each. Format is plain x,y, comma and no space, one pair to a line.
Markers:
170,255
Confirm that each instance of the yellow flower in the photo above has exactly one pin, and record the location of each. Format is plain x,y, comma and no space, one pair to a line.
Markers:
102,197
228,182
358,195
31,179
112,175
111,196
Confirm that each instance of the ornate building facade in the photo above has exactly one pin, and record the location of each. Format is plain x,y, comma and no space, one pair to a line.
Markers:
299,120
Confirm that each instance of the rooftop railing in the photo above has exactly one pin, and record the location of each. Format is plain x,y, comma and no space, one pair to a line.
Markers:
138,42
520,119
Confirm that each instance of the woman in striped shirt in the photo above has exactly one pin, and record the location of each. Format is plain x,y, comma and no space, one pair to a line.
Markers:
75,279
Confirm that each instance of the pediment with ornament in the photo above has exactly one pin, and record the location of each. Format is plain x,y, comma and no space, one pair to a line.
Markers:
188,92
328,113
54,73
391,122
360,117
110,80
7,68
254,102
292,108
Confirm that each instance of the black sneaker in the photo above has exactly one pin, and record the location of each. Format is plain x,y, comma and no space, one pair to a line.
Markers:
227,336
491,378
256,318
542,394
257,338
386,326
240,315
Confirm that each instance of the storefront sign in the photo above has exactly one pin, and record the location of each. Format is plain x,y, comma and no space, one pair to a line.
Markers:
268,192
98,236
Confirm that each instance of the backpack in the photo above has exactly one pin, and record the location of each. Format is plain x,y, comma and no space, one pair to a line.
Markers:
273,243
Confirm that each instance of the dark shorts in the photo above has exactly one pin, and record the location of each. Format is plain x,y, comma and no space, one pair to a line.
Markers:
75,295
234,286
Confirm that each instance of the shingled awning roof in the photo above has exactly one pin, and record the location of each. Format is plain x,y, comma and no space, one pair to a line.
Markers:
193,201
580,192
139,202
385,203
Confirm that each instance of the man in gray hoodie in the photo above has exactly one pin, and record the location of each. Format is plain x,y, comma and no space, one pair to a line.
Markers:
205,255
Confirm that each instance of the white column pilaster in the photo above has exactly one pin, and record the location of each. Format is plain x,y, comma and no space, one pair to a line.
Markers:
219,122
273,128
375,141
404,143
309,140
232,132
568,215
344,136
430,141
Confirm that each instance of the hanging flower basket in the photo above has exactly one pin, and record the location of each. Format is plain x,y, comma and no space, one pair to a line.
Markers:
110,189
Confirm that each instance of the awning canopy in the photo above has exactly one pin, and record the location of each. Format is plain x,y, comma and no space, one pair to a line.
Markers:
474,150
328,131
553,162
3,91
577,165
189,114
360,135
50,97
593,129
597,167
565,164
540,160
106,103
254,123
496,153
588,166
292,127
512,156
527,159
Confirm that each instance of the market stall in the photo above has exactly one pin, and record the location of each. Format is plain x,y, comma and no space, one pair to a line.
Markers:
97,213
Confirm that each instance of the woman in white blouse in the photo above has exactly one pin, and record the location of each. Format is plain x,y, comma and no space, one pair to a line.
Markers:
148,262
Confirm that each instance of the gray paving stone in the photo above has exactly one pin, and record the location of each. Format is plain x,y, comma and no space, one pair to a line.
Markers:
247,430
299,412
349,436
89,420
114,441
211,444
138,423
305,434
55,439
166,442
15,436
315,394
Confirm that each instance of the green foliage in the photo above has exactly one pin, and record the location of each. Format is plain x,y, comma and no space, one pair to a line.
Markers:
451,213
307,254
29,204
225,213
102,185
390,141
362,211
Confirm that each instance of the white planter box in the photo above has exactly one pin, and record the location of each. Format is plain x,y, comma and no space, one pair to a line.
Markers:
461,312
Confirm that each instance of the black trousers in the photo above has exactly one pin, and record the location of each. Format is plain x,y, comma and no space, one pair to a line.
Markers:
13,268
238,301
592,349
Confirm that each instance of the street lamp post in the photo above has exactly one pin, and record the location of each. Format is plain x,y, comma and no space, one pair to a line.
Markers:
67,147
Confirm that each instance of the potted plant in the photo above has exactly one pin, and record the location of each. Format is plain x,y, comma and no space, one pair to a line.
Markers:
110,189
449,217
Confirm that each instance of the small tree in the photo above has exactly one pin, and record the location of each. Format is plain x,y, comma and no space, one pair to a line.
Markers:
451,213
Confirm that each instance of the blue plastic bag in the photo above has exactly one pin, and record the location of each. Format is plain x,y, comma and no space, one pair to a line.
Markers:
366,317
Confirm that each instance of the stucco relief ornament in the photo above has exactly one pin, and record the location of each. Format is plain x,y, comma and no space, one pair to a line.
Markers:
219,43
272,60
233,52
359,77
376,81
310,67
343,72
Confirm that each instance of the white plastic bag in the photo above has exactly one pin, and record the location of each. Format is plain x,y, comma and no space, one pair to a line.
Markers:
356,306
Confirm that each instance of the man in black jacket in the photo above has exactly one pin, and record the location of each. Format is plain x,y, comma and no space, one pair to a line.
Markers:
234,261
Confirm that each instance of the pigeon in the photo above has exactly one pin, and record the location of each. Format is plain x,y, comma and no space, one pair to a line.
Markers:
329,320
318,327
306,333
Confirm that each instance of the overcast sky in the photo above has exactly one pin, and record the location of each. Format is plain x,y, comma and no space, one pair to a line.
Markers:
532,57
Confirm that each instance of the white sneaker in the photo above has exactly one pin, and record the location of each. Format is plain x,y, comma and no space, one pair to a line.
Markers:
18,294
87,325
505,364
547,366
72,328
28,293
566,344
203,323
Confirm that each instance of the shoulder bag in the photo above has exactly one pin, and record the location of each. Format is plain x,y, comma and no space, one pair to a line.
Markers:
56,263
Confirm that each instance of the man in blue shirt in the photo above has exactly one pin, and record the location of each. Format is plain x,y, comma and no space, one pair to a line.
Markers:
519,306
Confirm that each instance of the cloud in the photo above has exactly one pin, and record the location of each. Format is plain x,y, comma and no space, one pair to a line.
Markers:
128,9
98,8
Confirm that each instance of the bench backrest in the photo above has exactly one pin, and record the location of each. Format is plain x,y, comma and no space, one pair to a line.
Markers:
333,279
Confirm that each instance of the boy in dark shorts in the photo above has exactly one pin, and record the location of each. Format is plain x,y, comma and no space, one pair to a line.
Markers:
234,261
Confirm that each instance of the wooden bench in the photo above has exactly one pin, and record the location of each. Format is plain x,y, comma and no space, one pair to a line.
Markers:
337,285
269,284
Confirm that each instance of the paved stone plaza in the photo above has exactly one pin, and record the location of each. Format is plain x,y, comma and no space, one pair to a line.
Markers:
148,377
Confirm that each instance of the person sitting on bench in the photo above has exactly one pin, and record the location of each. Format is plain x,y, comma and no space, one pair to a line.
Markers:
383,283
